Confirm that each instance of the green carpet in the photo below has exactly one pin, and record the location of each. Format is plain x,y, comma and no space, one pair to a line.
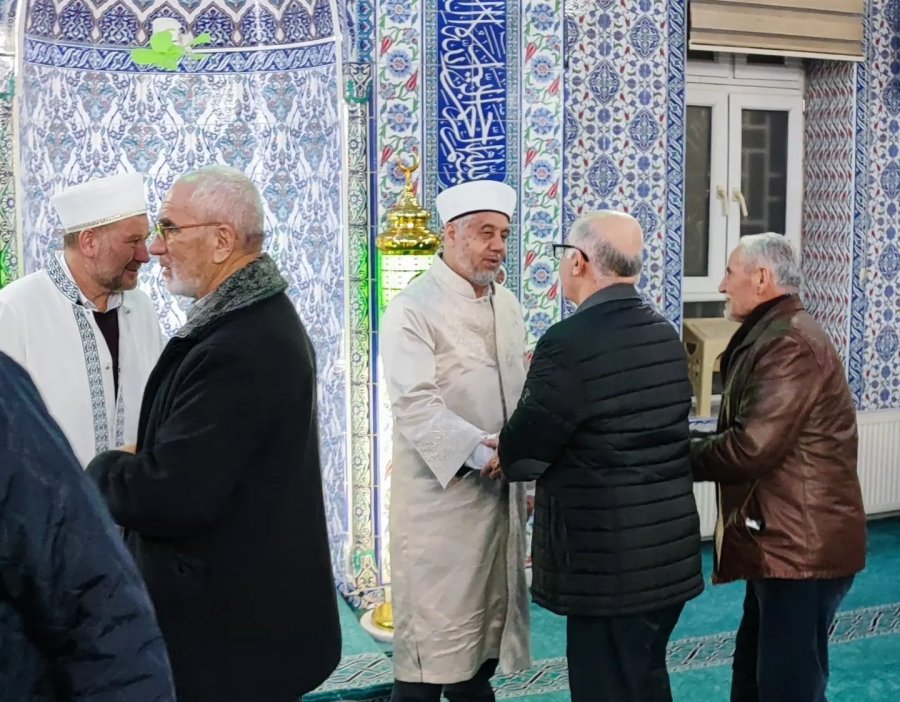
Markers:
354,639
364,672
865,643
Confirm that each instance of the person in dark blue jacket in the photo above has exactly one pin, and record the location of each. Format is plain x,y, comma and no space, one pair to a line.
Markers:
76,623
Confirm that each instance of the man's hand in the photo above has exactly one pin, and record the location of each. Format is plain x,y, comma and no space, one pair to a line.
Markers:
492,467
130,448
492,470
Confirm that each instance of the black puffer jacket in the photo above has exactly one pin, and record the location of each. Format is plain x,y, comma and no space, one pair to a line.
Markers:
76,623
603,425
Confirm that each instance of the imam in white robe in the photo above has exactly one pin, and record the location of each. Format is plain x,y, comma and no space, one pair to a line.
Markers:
457,546
48,326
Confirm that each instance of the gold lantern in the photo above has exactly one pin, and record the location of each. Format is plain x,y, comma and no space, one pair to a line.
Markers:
383,616
406,247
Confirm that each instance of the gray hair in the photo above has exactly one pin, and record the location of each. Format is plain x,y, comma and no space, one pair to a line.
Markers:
606,259
225,194
462,223
774,252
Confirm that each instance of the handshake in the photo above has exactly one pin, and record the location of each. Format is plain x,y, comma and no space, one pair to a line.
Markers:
491,469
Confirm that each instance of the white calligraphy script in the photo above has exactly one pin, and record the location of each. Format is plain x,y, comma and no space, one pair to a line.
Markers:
472,124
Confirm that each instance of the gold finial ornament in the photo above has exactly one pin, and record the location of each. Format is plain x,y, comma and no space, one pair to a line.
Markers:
408,231
383,616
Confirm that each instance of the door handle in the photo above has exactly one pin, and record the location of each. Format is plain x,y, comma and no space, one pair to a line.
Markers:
738,196
722,195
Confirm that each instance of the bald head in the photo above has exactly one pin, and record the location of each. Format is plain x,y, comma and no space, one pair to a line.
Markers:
613,242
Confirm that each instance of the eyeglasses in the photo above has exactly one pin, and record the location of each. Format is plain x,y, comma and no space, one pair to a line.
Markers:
164,231
560,249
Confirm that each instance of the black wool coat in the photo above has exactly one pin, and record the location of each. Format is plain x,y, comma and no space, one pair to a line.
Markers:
223,508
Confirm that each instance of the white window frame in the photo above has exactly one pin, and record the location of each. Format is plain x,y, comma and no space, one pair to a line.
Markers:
793,105
731,69
790,75
763,87
698,287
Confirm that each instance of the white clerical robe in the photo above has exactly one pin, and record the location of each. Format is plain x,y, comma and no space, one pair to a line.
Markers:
48,327
454,369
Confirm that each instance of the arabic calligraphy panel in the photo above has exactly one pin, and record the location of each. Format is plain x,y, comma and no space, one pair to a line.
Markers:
472,91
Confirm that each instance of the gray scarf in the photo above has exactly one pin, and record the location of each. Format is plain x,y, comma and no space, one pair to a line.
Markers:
257,281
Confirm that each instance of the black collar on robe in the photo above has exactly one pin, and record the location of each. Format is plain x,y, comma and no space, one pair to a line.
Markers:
746,327
108,323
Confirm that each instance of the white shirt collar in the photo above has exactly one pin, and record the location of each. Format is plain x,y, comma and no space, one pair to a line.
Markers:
115,299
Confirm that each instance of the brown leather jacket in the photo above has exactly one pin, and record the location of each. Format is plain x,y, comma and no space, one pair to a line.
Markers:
784,456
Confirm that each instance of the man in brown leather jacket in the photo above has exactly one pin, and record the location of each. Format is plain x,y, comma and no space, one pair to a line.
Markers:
791,520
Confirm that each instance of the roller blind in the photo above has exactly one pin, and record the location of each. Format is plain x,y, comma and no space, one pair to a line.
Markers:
812,28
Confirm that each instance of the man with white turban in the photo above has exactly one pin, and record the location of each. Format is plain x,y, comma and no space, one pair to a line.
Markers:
86,336
453,349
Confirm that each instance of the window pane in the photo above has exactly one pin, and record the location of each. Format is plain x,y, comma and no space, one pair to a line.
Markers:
764,149
761,60
695,55
696,191
710,308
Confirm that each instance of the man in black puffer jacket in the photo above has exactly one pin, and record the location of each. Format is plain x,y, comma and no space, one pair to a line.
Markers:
76,624
602,425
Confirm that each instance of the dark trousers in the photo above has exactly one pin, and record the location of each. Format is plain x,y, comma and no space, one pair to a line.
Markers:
620,659
781,648
478,689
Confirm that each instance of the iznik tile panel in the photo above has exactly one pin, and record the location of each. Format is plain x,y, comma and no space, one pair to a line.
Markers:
827,237
881,344
541,182
624,142
472,102
9,240
269,104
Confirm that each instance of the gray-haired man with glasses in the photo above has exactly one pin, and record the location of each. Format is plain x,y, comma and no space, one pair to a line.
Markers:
222,497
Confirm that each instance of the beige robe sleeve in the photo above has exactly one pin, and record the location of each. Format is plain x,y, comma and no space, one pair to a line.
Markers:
442,438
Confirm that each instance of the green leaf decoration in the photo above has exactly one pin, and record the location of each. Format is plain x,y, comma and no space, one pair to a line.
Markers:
162,41
144,57
168,63
164,53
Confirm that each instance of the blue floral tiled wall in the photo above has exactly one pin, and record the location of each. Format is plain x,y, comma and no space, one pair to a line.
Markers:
269,103
577,112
